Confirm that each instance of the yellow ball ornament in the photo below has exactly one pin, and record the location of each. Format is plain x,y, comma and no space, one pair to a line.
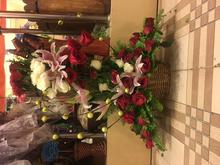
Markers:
80,136
55,137
37,102
90,115
78,15
104,129
44,118
44,109
126,90
120,113
51,40
60,22
100,39
65,117
107,101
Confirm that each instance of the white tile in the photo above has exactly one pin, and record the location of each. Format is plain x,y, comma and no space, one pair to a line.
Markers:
187,140
205,141
199,125
193,112
206,117
198,2
192,15
211,15
198,148
191,157
213,158
192,134
187,120
217,3
215,133
205,162
205,7
198,22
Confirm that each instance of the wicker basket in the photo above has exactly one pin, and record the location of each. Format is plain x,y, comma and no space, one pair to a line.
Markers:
83,150
160,81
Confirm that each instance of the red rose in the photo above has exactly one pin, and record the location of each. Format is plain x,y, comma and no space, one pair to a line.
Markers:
128,57
134,39
72,75
149,143
85,38
129,117
73,45
82,84
15,76
14,66
147,65
137,53
22,98
149,45
17,89
149,26
143,81
149,22
127,82
138,99
93,74
146,134
141,121
77,58
114,74
147,30
122,53
123,101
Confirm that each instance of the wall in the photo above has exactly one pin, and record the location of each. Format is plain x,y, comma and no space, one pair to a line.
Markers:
191,127
124,147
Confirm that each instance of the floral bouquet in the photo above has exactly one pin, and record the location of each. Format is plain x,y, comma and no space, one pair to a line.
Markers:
100,84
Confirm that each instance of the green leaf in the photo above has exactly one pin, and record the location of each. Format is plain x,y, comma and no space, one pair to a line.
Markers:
159,143
166,44
137,128
151,127
140,44
157,105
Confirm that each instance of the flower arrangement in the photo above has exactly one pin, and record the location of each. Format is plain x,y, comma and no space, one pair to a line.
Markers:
119,82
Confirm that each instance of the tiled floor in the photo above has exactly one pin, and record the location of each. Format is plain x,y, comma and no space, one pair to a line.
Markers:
192,127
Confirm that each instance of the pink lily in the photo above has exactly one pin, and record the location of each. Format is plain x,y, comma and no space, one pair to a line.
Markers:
138,73
82,96
53,59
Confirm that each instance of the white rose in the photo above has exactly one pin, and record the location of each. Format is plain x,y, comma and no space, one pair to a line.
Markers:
51,93
34,78
96,64
43,82
120,63
63,87
103,87
37,66
128,68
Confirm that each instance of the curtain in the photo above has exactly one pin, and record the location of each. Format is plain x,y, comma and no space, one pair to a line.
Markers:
2,57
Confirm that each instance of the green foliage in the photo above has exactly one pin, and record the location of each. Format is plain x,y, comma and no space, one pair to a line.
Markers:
100,31
159,143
